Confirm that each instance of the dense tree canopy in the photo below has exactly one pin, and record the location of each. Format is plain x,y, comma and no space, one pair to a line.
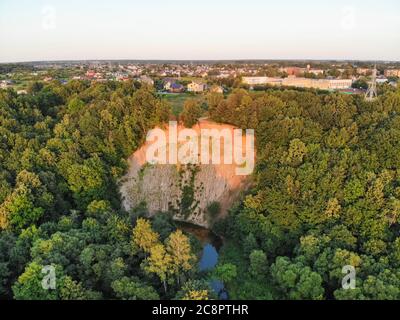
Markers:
326,194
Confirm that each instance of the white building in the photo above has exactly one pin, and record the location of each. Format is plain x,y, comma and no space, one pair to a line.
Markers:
253,81
335,84
323,84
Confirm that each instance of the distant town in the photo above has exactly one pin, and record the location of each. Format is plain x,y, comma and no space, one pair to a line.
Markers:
177,77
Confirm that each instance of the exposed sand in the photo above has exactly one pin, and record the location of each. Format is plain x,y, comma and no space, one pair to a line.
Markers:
160,186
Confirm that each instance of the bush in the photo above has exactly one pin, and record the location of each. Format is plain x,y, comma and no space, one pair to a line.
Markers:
214,209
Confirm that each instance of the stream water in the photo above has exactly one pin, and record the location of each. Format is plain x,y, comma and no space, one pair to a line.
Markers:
209,257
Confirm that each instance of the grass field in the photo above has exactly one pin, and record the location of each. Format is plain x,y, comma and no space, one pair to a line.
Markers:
177,100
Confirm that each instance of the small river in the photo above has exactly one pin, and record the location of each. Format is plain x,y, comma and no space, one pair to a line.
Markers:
209,257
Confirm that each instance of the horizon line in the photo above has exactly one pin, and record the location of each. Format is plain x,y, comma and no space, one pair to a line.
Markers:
201,60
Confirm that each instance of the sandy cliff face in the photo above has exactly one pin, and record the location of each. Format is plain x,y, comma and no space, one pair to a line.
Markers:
186,190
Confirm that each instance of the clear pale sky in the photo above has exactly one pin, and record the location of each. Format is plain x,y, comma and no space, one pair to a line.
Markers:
205,29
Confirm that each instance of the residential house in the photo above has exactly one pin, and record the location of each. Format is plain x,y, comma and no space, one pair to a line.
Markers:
90,74
176,88
364,71
168,82
217,89
146,80
316,72
4,84
197,87
293,71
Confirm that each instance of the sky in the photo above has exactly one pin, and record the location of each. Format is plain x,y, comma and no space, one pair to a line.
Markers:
35,30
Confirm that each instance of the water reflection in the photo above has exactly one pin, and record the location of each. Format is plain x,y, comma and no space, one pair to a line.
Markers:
209,257
219,289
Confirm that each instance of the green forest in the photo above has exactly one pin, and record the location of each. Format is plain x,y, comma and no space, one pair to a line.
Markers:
325,194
